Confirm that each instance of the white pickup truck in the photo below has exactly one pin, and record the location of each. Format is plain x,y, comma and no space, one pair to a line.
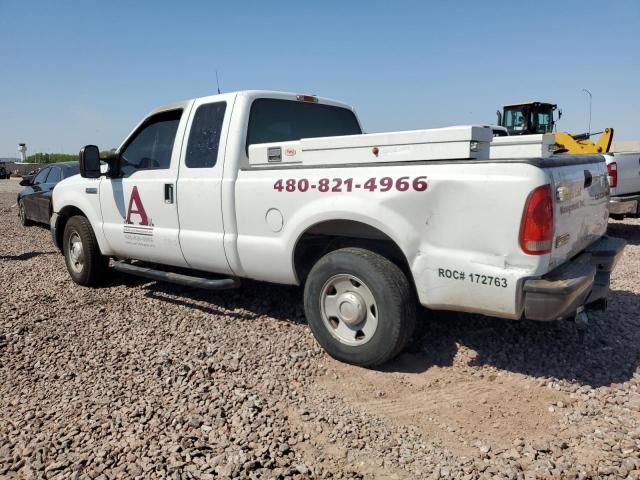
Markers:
624,179
285,188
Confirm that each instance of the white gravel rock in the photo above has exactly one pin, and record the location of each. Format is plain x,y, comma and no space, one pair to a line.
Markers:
146,380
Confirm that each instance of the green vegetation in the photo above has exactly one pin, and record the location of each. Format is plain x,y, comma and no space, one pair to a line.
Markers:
51,157
61,157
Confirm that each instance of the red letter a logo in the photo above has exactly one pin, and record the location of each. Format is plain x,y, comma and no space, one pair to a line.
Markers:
139,208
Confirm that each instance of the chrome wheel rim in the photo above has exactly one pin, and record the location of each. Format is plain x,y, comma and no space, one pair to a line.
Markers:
349,310
76,253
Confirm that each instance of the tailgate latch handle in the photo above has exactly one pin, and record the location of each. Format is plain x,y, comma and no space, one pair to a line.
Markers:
588,179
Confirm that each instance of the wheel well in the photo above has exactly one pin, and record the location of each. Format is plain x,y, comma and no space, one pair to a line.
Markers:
326,237
63,217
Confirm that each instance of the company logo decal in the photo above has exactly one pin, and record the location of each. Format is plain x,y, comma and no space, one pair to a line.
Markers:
138,226
136,202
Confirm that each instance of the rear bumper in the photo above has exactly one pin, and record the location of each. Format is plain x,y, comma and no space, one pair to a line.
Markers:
582,281
628,205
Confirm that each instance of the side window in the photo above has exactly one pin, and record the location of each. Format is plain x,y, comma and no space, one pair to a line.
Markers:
204,138
516,120
54,175
41,176
151,146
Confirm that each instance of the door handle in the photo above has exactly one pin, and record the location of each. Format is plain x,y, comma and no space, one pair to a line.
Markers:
168,193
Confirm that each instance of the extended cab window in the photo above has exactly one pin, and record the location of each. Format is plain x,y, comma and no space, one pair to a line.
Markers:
151,146
272,120
204,138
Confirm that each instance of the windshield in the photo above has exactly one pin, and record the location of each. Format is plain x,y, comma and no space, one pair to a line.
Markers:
273,120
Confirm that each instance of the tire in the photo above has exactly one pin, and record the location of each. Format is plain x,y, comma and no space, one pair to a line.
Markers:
86,265
22,214
340,291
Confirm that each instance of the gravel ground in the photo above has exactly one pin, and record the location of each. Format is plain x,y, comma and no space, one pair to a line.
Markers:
146,380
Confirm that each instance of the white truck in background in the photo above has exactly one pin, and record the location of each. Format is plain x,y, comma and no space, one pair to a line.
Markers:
285,188
624,179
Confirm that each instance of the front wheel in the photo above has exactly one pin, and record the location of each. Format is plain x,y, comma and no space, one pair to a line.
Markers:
22,214
86,265
360,306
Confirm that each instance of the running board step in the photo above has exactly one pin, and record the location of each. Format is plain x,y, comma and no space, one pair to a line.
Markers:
178,278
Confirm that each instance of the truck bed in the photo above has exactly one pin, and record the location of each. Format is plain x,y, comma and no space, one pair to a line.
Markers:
465,222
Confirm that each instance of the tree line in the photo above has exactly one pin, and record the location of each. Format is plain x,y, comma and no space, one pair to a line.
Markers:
61,157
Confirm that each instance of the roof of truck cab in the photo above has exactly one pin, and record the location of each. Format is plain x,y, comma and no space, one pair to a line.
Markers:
252,94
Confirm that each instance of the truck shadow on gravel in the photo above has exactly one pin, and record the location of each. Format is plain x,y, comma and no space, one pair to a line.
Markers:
251,301
607,352
25,256
629,231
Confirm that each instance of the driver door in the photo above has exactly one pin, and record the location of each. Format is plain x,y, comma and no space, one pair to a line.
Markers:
30,200
139,210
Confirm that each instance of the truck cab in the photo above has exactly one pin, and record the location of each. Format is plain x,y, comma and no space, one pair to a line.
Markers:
160,200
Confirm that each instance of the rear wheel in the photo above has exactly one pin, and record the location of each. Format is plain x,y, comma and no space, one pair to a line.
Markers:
86,265
22,214
360,306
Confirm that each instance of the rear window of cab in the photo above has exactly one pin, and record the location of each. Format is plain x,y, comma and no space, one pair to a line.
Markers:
272,120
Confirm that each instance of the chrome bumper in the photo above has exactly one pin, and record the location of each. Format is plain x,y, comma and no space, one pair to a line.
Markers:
624,205
582,281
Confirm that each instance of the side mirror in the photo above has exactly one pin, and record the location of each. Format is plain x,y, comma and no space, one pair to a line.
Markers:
26,181
499,115
90,161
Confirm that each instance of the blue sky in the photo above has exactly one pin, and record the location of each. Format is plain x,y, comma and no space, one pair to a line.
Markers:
78,72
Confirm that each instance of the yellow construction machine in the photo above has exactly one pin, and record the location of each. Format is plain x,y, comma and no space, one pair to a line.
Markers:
535,117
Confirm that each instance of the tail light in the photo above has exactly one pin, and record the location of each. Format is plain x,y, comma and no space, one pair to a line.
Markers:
536,226
612,170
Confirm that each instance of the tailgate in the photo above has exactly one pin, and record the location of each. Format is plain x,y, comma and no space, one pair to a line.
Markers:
581,191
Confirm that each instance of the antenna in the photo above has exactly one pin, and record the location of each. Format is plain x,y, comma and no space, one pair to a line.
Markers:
590,99
217,82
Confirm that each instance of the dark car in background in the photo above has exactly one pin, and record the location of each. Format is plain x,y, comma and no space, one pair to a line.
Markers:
4,172
34,201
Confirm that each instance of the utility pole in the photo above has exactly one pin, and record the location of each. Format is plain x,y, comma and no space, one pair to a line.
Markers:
590,101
